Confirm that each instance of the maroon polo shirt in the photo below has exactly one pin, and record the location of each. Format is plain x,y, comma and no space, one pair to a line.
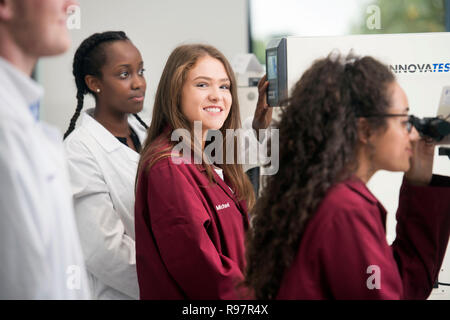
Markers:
189,234
344,253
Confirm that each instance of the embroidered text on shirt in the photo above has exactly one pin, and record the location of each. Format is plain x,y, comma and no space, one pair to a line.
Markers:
222,206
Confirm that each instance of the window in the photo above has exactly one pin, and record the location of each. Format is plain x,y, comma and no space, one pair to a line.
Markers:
279,18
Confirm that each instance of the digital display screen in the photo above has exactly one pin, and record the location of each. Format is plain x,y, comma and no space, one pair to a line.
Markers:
271,66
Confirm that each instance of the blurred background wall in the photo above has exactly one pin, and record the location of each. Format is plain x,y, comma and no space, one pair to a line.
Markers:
156,28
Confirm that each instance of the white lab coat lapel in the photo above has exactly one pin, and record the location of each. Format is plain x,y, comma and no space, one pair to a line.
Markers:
138,129
118,164
109,142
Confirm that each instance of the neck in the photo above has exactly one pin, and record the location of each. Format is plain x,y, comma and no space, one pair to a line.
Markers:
365,169
116,123
10,51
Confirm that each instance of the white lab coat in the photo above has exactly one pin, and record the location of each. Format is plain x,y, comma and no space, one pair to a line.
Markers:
40,253
103,172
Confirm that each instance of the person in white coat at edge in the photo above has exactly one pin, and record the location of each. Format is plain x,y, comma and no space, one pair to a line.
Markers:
41,256
103,153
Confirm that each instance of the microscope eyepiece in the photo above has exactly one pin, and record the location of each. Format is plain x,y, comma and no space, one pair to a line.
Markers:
435,128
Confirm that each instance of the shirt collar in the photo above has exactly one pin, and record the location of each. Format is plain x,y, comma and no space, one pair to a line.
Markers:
360,187
22,83
105,138
100,133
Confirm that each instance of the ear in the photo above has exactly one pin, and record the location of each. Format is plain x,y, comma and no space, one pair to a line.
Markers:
364,130
6,10
93,83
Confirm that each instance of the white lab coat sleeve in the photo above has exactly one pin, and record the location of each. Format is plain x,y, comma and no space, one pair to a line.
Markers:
109,252
24,268
29,269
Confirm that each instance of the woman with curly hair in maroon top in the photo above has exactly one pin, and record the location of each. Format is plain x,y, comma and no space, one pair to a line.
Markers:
318,232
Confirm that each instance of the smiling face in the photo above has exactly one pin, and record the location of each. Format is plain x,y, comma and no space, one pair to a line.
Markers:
206,94
122,84
393,148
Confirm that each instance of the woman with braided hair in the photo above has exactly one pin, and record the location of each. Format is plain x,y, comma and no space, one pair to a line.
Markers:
103,153
318,232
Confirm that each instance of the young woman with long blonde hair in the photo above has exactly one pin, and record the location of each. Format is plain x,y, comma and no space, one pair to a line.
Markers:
191,216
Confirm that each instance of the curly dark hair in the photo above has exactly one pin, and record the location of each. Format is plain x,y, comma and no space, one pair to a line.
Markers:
88,60
317,149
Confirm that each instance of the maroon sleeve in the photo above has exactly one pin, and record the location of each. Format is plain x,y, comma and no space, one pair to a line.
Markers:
423,230
179,219
356,260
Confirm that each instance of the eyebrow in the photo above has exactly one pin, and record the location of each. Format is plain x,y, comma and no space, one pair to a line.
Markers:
129,65
208,78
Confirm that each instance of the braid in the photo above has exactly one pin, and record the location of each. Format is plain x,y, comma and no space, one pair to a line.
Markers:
80,99
88,60
141,121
